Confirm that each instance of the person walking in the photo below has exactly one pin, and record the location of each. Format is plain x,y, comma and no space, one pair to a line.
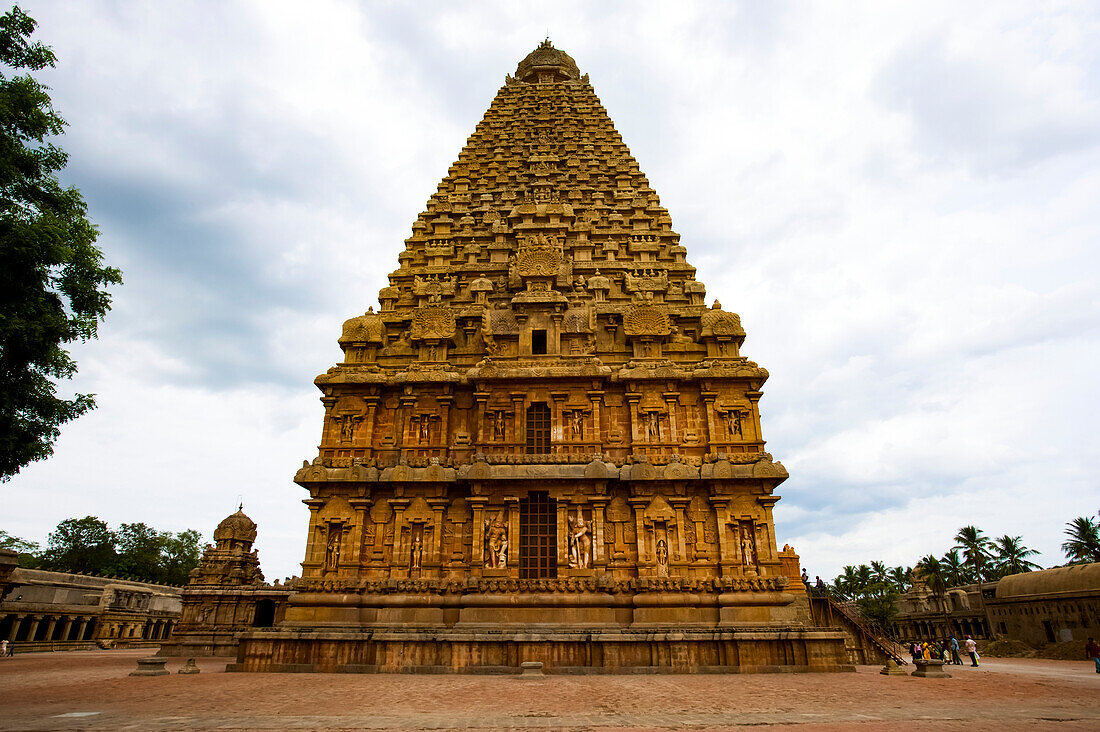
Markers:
4,648
953,645
1093,651
972,651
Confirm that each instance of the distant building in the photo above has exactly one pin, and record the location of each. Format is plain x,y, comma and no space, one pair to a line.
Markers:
52,611
1045,606
1048,606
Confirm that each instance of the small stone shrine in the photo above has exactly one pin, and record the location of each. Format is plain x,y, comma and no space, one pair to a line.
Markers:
226,594
544,446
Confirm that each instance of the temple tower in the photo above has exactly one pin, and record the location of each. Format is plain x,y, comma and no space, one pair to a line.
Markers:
543,431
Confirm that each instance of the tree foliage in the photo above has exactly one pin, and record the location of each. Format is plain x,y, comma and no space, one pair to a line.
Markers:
52,279
134,551
1083,544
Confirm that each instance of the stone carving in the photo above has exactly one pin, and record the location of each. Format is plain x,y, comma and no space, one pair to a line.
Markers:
433,321
366,328
496,542
580,542
538,257
748,543
646,319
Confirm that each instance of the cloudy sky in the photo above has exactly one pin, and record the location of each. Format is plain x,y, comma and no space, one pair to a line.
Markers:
900,199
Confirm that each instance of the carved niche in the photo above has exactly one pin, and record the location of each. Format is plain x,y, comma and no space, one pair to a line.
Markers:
433,322
538,257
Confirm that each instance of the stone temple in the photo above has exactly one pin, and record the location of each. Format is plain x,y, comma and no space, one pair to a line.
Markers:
544,445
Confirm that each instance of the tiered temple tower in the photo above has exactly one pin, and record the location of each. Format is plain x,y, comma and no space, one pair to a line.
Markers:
544,445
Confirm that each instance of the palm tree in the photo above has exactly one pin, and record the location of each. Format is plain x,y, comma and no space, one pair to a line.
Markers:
954,569
1012,555
932,572
899,577
975,547
879,573
1083,544
863,579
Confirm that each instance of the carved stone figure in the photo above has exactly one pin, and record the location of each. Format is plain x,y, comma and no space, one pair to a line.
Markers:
496,542
576,425
580,542
662,558
653,425
332,550
417,550
498,426
733,424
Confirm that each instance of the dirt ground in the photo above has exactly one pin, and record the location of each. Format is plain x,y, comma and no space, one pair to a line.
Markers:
92,690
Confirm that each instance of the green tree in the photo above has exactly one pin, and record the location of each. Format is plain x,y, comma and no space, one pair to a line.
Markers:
1083,544
976,548
52,282
899,578
139,553
181,554
931,570
954,569
80,545
1012,556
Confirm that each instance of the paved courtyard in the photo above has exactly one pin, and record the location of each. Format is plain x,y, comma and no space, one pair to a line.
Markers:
91,690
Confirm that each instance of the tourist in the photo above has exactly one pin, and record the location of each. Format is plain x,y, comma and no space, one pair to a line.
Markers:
4,649
915,651
820,586
953,645
972,651
805,577
1093,651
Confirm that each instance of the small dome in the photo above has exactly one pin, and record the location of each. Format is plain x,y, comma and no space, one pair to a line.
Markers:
237,527
599,282
481,284
717,322
366,328
547,60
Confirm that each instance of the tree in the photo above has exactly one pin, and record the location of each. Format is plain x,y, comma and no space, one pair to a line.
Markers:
932,571
52,282
954,569
138,553
181,555
899,578
1083,544
80,545
1012,556
976,549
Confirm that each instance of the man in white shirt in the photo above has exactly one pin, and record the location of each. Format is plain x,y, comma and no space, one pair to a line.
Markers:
972,650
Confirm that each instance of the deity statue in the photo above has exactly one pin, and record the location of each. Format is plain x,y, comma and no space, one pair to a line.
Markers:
576,425
748,551
653,425
662,558
424,429
347,429
417,551
496,543
580,543
733,424
332,550
498,426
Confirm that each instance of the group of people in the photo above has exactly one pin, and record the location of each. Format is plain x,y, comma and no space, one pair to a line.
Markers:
947,650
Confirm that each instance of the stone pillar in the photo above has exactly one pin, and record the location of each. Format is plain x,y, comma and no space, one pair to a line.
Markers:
439,505
404,412
311,562
477,558
599,504
81,626
632,401
65,628
35,620
511,506
639,504
520,417
708,406
361,506
48,635
563,533
687,553
595,398
557,418
400,556
445,402
672,400
481,399
726,558
754,398
366,439
15,625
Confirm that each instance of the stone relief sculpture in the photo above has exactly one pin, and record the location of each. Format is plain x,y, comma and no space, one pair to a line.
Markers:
332,548
662,558
748,544
580,542
496,542
417,549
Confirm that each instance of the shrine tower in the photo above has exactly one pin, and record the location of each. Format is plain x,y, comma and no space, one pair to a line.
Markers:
544,445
